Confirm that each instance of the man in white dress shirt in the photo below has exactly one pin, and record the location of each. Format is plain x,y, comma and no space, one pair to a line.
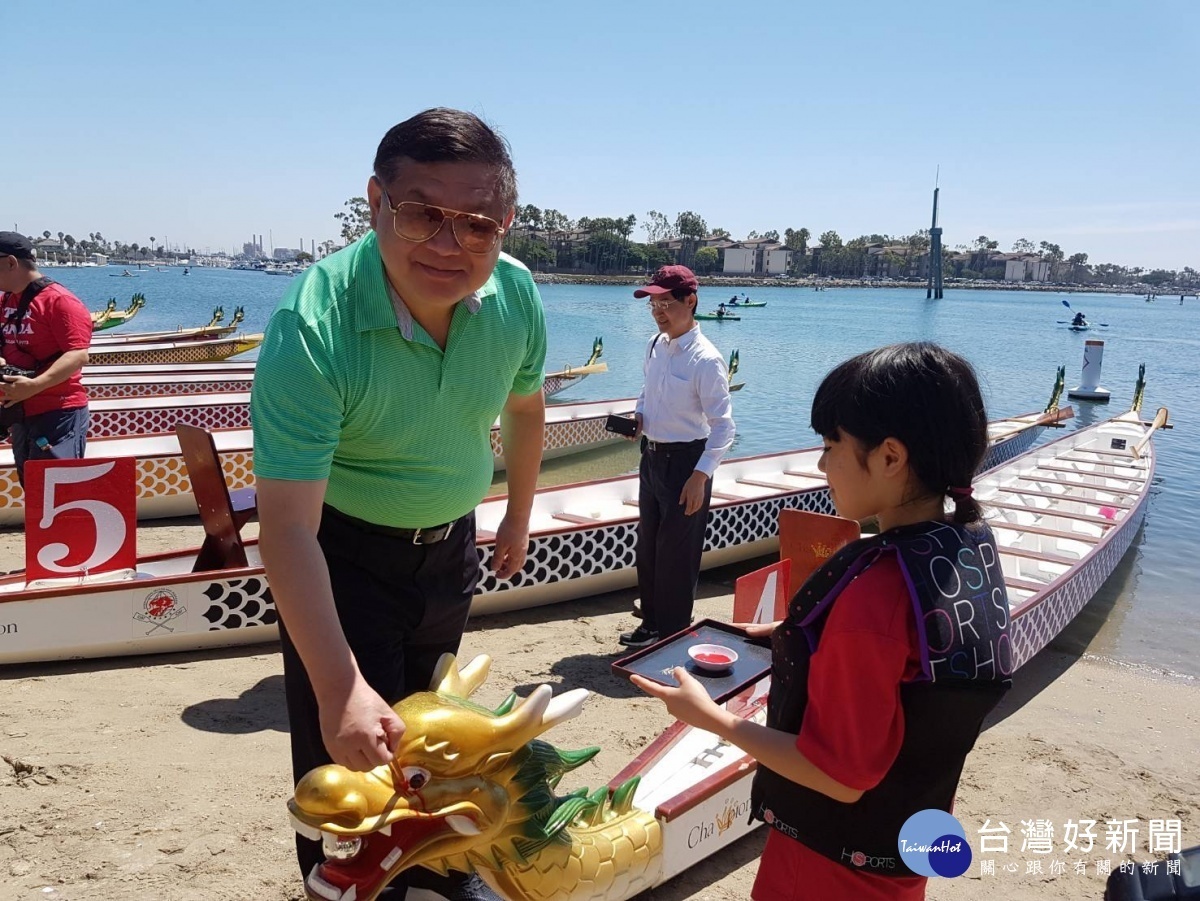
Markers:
685,423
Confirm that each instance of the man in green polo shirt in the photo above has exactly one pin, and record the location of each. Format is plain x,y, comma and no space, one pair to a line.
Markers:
378,381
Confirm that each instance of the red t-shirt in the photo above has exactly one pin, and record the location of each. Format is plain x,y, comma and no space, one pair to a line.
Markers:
57,321
852,730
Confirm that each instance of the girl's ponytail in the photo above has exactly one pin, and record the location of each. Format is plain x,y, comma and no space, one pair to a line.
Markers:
966,508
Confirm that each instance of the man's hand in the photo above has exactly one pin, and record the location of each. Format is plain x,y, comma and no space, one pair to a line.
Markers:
637,432
360,731
688,703
692,496
512,544
17,389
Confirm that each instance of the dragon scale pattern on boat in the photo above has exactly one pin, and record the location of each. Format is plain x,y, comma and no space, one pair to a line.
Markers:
595,551
114,423
239,604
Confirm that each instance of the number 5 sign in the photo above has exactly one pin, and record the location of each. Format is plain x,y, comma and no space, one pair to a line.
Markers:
80,517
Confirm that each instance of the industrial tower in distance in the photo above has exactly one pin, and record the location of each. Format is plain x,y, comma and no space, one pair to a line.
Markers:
934,288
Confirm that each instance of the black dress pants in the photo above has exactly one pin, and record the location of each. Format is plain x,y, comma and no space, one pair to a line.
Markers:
669,543
401,606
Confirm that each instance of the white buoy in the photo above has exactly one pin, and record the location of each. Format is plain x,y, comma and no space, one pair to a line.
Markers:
1089,384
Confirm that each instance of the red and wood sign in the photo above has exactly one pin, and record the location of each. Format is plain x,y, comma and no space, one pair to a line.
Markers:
80,517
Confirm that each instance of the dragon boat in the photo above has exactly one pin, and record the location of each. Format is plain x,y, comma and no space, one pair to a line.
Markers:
167,379
111,317
557,382
141,427
173,351
582,543
131,376
213,329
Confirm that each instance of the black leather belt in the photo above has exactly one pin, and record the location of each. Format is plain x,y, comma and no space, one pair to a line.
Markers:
424,535
675,445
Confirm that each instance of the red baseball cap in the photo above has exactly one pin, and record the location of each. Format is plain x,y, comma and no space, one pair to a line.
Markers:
670,278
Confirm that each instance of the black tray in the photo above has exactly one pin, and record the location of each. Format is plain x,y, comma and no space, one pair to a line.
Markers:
657,661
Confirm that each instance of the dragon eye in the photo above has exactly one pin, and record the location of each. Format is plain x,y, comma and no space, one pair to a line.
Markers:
415,777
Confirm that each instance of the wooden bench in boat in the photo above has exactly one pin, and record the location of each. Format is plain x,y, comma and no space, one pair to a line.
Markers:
1106,489
576,518
1042,530
1044,556
1049,511
1025,584
1071,458
1103,452
777,486
1083,472
1091,501
223,514
803,474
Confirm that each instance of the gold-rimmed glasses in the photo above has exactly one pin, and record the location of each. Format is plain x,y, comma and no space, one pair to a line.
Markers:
661,304
418,222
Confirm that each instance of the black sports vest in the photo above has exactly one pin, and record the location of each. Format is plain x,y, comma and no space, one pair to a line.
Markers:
961,607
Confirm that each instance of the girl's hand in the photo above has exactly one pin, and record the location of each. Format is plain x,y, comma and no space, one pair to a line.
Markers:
758,630
688,702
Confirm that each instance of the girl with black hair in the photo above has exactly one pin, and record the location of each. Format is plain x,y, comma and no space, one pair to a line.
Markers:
892,653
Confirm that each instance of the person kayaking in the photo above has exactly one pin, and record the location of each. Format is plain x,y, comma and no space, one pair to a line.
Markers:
721,311
733,299
1079,321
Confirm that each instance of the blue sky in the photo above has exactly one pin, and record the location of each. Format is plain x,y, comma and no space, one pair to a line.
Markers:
1065,122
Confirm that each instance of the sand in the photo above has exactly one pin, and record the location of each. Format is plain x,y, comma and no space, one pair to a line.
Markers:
167,777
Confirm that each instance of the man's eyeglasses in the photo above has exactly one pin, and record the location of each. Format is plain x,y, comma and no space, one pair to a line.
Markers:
662,303
418,222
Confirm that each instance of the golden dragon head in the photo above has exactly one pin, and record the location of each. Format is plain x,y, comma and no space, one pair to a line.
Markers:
467,787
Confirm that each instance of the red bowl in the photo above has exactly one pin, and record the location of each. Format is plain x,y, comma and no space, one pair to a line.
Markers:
713,657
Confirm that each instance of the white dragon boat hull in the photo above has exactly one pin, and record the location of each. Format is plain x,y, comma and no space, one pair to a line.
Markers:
567,559
167,379
142,428
188,351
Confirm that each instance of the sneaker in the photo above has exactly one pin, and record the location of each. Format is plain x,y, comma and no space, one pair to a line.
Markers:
641,637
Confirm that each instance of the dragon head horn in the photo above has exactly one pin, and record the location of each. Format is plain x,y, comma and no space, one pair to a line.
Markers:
539,712
448,679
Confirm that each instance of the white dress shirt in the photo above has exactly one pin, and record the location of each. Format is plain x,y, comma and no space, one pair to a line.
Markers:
685,395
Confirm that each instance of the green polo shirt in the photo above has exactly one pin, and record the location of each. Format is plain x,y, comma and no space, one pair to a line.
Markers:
400,428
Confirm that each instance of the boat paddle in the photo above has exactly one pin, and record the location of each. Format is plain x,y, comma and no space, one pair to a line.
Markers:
1070,322
1160,421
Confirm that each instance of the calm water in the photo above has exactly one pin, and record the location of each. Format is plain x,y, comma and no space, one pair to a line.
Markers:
1146,613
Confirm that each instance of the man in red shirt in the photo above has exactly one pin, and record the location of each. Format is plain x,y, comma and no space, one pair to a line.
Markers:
45,331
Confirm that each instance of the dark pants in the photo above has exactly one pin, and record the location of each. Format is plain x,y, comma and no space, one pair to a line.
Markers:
402,606
65,432
669,543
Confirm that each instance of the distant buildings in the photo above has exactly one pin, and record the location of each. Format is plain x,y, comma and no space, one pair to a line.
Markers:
1023,267
756,256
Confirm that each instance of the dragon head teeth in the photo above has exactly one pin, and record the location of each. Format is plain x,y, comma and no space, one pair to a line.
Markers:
462,825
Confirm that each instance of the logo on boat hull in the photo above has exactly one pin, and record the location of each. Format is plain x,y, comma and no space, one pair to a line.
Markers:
159,608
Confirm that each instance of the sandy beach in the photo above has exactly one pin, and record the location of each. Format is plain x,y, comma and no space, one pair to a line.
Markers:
167,777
